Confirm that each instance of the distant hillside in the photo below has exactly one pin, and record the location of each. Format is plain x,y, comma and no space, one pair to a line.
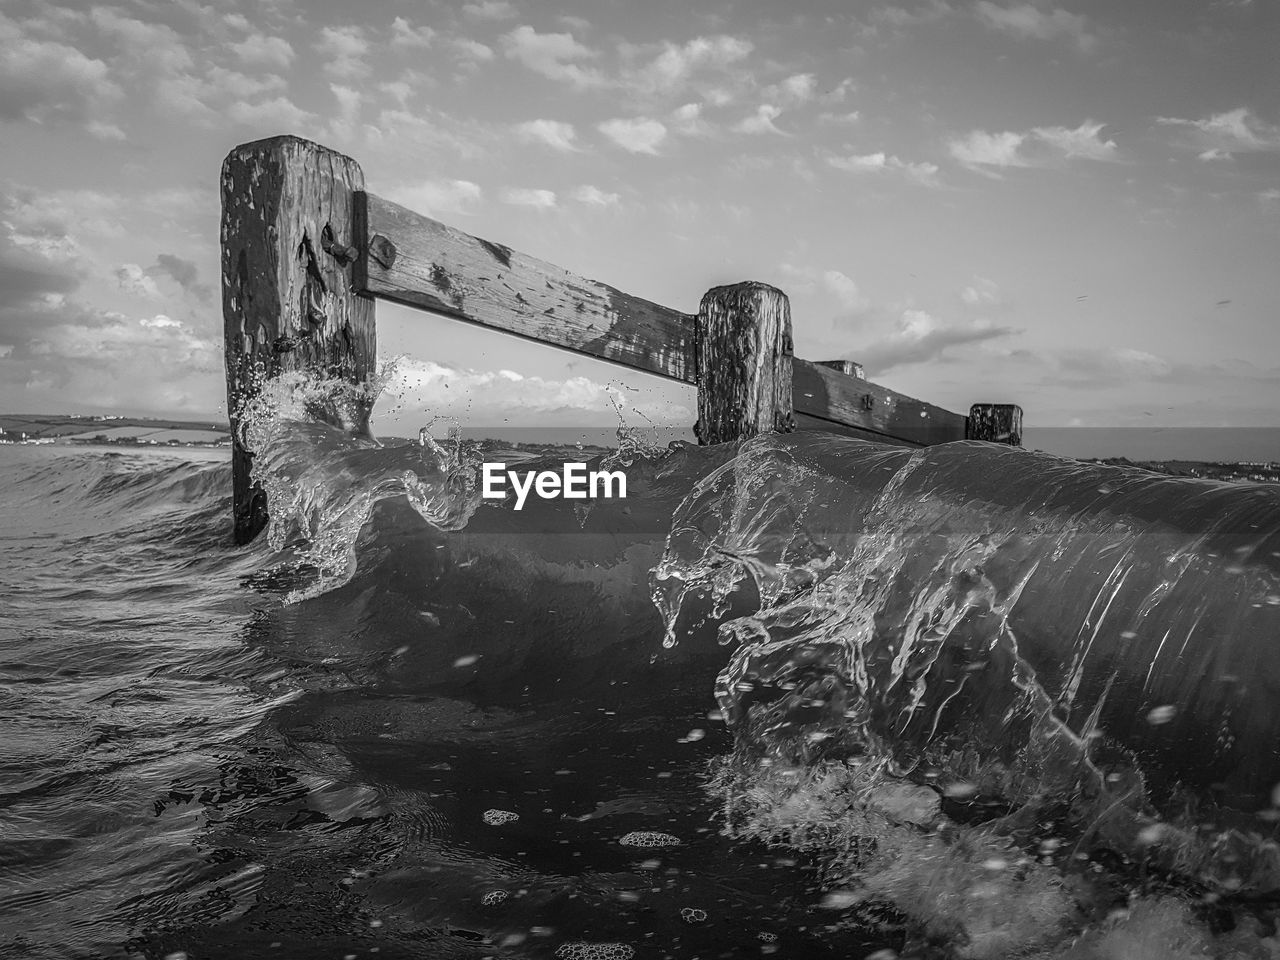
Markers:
48,426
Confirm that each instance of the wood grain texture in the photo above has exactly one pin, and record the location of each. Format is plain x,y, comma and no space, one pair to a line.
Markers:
744,353
830,395
288,221
415,260
995,422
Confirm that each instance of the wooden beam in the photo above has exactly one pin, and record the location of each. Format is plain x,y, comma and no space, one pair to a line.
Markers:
411,259
744,353
288,231
829,395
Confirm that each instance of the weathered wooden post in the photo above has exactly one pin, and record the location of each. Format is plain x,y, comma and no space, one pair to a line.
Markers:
289,239
995,422
743,354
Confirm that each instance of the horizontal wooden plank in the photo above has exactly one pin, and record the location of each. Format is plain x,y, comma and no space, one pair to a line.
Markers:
410,258
830,395
806,422
415,260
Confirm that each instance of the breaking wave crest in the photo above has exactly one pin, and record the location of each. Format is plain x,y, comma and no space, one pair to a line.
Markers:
993,692
323,472
968,668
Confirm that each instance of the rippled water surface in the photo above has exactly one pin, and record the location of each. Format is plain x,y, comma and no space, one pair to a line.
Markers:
960,722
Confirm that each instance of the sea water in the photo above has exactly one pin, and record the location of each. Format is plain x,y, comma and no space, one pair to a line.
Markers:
798,697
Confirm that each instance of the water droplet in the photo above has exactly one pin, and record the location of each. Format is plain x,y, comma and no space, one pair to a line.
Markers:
960,790
839,900
1151,834
1162,714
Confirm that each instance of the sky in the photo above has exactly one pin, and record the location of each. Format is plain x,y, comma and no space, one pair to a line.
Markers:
1071,207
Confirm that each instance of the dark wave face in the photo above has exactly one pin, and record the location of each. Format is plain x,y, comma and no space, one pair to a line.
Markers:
972,699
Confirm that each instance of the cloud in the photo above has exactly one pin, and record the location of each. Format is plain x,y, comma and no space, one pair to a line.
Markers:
553,55
487,397
1026,21
156,62
35,269
761,121
105,131
987,153
472,50
241,86
270,116
1084,141
794,90
553,133
133,280
489,10
182,272
982,292
1109,367
594,196
159,321
405,34
525,197
687,120
901,17
56,352
839,93
433,197
1222,134
923,173
638,135
343,50
844,290
44,213
676,65
343,123
979,150
43,80
264,50
806,279
921,338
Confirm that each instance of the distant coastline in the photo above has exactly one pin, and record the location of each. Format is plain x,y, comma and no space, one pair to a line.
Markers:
45,428
41,428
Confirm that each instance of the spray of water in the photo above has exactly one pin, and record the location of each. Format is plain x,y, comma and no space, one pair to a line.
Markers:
323,471
1039,645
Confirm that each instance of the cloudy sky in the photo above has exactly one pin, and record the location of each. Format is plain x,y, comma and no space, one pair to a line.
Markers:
1072,207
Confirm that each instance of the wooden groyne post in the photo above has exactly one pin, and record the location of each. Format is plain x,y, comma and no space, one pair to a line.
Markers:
995,422
306,252
744,353
290,238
